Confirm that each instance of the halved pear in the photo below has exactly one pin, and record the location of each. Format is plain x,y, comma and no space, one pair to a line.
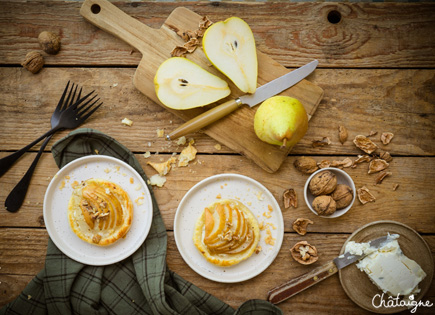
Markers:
182,84
230,47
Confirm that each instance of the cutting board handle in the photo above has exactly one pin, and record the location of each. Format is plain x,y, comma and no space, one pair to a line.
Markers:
111,19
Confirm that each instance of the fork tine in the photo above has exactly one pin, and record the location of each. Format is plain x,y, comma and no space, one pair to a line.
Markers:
82,119
68,99
83,109
59,105
81,100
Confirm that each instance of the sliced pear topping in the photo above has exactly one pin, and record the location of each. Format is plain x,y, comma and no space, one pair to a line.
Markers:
230,47
182,84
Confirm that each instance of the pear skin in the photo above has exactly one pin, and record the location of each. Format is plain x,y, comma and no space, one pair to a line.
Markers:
281,120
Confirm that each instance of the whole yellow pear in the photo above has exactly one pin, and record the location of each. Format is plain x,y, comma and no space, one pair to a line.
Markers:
281,120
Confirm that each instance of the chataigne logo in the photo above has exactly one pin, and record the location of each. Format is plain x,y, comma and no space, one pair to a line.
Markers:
379,300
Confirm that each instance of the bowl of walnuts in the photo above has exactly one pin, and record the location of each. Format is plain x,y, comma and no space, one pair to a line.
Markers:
329,192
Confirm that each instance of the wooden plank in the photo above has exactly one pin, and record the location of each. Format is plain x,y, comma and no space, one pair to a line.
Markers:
291,33
14,276
361,100
410,203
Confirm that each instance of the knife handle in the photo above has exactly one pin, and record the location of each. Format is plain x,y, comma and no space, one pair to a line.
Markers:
298,284
205,119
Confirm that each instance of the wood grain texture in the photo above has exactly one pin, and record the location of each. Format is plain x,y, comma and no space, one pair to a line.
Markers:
375,35
398,101
14,277
377,69
409,204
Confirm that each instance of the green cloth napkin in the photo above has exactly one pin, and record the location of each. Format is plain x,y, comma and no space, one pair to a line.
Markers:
140,284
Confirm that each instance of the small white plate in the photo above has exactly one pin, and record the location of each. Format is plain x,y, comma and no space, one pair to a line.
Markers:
59,193
228,186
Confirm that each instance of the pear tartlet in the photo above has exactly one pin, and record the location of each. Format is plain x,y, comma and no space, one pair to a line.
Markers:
100,212
226,233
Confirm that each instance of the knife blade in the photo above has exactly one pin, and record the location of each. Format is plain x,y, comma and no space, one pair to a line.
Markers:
262,93
300,283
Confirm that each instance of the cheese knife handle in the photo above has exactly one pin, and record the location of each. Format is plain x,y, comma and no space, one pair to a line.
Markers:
298,284
205,119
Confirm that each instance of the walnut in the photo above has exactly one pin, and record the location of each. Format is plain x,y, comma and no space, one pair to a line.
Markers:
49,42
305,165
382,176
304,253
33,61
342,195
324,205
300,225
342,134
365,144
321,143
290,198
386,137
377,165
323,183
364,195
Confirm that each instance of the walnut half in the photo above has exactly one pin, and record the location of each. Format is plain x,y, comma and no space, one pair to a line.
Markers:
300,225
304,253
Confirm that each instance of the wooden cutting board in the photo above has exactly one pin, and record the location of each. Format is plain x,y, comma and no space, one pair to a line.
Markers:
236,131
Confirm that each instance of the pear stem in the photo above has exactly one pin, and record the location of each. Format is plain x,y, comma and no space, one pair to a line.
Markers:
284,143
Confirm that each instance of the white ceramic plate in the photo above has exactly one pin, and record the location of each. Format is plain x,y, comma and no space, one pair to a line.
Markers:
228,186
58,195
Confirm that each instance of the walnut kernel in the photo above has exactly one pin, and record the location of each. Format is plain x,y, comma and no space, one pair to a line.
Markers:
342,195
305,165
324,205
49,42
304,253
323,183
300,225
33,62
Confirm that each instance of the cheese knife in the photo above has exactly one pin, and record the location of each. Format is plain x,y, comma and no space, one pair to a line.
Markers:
262,93
300,283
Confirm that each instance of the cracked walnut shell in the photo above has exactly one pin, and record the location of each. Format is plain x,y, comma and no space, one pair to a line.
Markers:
365,144
324,205
304,253
300,225
323,183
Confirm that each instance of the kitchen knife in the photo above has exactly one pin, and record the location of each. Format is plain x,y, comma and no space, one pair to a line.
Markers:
298,284
262,93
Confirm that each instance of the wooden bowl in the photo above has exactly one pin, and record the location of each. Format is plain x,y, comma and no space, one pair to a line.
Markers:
357,284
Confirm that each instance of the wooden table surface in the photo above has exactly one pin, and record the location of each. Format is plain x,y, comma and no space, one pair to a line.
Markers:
377,69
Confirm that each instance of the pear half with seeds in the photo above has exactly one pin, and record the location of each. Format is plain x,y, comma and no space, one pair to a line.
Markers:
182,84
230,47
